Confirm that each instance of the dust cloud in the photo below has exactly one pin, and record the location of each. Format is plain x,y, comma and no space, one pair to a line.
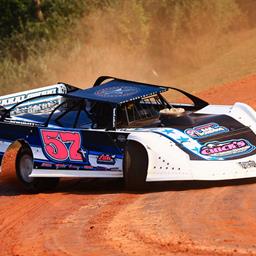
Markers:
150,54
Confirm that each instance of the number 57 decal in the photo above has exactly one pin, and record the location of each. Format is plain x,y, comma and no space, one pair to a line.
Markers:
62,145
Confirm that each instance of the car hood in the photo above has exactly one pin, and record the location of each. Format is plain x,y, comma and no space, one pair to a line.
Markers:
211,137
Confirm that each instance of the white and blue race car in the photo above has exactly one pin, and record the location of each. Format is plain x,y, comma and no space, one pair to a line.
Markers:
124,129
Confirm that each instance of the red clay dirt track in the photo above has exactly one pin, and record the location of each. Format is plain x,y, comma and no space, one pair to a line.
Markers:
89,217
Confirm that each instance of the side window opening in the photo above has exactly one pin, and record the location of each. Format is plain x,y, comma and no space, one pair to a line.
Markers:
84,121
141,109
102,114
75,116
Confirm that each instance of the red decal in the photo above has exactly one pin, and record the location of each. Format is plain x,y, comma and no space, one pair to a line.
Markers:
62,145
106,159
74,139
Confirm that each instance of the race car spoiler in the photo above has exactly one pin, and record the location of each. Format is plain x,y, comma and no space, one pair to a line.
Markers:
36,104
118,91
8,101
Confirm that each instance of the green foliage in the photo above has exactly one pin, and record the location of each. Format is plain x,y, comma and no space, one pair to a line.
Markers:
14,16
162,29
22,33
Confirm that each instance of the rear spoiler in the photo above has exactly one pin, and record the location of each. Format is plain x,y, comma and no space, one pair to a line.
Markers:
198,103
8,101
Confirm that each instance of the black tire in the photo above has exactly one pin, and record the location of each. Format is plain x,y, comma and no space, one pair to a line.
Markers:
24,166
135,166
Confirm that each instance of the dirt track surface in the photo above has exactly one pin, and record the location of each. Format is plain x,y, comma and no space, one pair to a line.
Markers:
89,217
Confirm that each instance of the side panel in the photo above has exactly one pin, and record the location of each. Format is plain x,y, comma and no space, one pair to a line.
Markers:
165,158
79,153
168,162
10,133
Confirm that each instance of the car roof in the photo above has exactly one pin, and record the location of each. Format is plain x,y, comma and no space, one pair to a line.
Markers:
118,91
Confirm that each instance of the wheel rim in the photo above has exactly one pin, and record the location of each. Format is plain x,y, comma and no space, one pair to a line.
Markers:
26,167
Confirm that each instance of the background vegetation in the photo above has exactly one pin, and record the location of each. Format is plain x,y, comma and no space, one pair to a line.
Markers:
42,42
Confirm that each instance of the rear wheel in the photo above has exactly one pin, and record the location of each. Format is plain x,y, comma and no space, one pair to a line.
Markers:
135,166
24,167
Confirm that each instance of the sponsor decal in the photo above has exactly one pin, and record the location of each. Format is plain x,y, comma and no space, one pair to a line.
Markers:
115,169
206,130
60,166
35,108
22,123
73,167
214,151
248,164
78,167
106,159
227,149
11,99
88,167
63,146
49,165
101,168
117,91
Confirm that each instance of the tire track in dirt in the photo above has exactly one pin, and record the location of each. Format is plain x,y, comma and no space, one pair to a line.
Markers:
212,221
63,223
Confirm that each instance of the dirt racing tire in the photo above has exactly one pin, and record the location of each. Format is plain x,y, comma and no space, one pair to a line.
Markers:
24,166
135,166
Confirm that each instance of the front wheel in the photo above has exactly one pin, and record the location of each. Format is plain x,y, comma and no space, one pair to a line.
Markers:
135,166
24,167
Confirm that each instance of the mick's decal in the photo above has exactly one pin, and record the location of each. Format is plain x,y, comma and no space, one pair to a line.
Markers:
205,130
63,146
227,149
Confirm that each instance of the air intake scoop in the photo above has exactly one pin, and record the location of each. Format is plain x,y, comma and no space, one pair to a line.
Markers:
174,116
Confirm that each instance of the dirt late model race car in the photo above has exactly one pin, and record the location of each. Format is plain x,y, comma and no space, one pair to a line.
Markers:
124,129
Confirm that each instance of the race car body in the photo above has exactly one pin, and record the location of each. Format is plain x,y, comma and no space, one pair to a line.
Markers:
125,129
